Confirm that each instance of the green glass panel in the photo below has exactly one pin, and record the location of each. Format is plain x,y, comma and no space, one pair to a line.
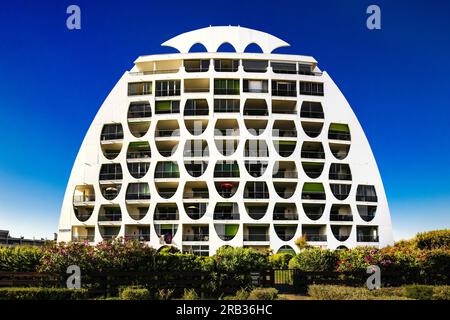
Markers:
313,187
231,229
339,127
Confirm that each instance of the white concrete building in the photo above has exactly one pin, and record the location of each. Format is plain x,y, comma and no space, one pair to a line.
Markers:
201,150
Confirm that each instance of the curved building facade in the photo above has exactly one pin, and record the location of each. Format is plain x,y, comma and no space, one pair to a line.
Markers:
200,150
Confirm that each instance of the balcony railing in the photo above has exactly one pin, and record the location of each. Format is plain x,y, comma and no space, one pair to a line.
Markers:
137,196
196,112
144,113
225,237
167,174
226,91
310,195
143,73
256,90
163,133
83,216
89,238
256,237
313,154
110,217
195,237
84,198
284,216
314,216
111,176
166,215
196,69
340,176
366,198
367,238
111,136
196,195
284,133
226,215
287,174
139,154
341,237
315,237
140,237
311,114
256,195
338,136
256,112
341,217
284,93
226,173
167,93
166,194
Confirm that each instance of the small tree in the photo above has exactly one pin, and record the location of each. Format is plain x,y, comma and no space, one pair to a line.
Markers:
301,243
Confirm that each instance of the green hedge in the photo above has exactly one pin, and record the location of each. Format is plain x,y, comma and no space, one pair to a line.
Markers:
134,293
42,294
315,259
433,239
20,258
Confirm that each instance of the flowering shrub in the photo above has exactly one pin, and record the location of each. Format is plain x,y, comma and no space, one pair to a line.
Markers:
315,259
438,239
359,258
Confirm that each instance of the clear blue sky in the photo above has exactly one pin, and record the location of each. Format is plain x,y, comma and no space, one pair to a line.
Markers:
52,82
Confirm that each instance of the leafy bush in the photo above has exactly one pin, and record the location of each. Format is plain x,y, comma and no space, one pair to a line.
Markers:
419,292
433,239
331,292
359,258
134,293
441,293
241,294
263,294
315,259
20,258
164,294
37,293
435,261
280,260
190,294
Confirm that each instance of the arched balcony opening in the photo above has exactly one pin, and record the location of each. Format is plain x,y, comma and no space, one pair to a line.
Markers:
284,170
196,168
196,107
313,211
340,191
341,212
196,126
313,191
256,190
226,211
367,212
139,115
341,233
195,210
83,202
312,150
226,232
284,107
166,211
340,151
166,232
284,129
111,140
285,232
340,171
256,149
312,128
255,108
285,189
226,189
313,169
256,210
285,211
226,169
196,149
311,110
339,131
256,168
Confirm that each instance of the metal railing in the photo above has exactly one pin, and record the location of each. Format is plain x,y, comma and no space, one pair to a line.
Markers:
89,238
196,195
287,174
311,195
166,194
196,237
196,69
341,237
366,198
196,153
167,174
313,154
226,91
111,176
166,216
315,237
193,90
226,109
312,133
196,112
146,113
341,217
284,216
284,111
84,198
338,136
226,215
289,133
256,195
224,69
110,217
140,237
167,93
340,176
284,93
163,133
139,154
314,216
367,238
255,111
111,136
137,196
226,174
142,73
83,216
255,90
256,237
311,114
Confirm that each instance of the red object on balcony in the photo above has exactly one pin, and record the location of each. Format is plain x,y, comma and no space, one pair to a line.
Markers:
226,185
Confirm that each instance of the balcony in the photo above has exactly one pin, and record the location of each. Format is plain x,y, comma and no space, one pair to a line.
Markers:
138,192
166,189
226,169
313,211
311,88
284,129
366,193
340,171
84,195
196,65
158,67
195,232
110,171
340,190
256,149
285,189
167,107
168,88
312,150
312,110
83,238
285,148
313,191
255,66
226,86
111,132
196,168
285,211
227,105
256,168
110,214
284,88
367,213
256,86
110,190
139,88
367,234
284,170
138,151
226,147
167,129
256,210
338,131
167,170
195,210
137,210
314,233
256,190
284,107
139,110
341,212
137,233
226,65
194,190
196,149
312,129
166,232
341,233
313,169
226,189
255,107
196,85
196,126
109,233
257,233
226,128
284,67
226,232
197,107
83,234
226,211
285,232
166,212
339,150
138,169
138,128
